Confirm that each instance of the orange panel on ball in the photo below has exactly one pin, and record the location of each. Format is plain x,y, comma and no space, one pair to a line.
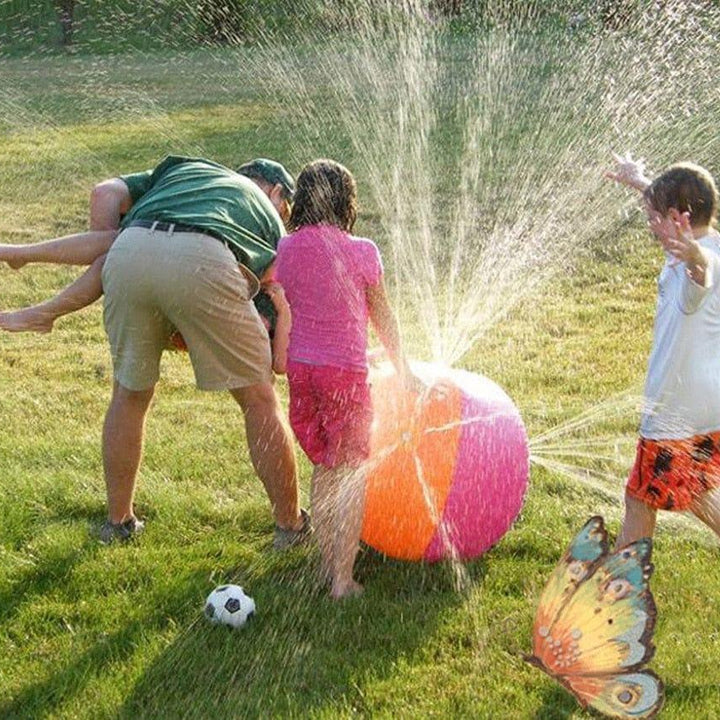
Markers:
409,439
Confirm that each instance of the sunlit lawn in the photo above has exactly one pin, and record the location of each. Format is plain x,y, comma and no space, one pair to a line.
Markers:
94,632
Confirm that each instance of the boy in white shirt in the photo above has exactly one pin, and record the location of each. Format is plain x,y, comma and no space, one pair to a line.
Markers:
677,466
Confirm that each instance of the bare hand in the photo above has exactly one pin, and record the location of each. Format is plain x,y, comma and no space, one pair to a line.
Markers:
628,172
684,247
276,293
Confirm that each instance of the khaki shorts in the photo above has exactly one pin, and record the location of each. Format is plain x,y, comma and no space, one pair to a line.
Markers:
155,281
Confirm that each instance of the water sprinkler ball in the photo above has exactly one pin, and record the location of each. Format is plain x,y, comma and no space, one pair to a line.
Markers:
447,474
229,605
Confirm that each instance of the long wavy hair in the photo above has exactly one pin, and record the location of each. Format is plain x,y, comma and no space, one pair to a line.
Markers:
325,193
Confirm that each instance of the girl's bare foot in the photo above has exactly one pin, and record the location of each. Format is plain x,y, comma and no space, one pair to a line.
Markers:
27,320
346,590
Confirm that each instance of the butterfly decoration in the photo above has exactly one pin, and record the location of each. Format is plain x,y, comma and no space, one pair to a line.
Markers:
594,624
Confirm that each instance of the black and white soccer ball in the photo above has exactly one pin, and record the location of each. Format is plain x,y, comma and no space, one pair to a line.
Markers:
229,605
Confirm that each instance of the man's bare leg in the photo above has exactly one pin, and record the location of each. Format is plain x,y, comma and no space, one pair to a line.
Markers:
271,451
40,318
122,442
78,249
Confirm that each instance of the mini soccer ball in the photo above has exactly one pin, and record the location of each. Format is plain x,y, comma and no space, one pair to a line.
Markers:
229,605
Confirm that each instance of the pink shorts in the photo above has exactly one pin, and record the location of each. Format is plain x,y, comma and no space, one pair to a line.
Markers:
330,413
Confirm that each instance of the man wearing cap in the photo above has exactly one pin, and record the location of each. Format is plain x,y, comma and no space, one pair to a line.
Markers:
195,237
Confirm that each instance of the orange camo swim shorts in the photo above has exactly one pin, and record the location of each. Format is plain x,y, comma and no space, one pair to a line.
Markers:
670,474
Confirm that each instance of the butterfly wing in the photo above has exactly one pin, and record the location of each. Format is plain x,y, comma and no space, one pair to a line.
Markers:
606,626
626,696
594,626
588,547
629,695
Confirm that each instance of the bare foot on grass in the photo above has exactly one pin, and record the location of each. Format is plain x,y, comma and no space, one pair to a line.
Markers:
348,590
26,320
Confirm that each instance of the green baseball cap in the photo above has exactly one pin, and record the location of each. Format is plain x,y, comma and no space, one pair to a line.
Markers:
270,171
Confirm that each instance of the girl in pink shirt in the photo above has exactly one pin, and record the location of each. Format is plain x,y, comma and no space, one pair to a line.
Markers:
329,284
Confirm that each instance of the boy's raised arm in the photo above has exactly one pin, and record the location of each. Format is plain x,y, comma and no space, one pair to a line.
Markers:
629,172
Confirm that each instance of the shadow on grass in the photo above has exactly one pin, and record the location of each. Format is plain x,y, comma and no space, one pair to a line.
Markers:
43,698
50,573
302,652
52,568
140,580
689,695
558,704
38,580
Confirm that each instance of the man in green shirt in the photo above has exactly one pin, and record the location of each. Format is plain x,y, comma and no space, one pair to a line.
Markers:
195,239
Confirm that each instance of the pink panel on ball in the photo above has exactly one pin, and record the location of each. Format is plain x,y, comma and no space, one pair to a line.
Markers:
490,476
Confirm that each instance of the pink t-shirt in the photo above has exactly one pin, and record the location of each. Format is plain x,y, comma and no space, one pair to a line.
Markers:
325,273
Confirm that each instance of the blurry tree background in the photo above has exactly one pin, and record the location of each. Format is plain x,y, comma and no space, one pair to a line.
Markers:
112,25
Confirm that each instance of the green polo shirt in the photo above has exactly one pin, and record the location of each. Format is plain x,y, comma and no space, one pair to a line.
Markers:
209,196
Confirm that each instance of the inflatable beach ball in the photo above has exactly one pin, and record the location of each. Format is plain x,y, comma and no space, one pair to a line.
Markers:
448,472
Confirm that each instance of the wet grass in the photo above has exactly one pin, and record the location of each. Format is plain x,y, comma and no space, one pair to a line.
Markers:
93,632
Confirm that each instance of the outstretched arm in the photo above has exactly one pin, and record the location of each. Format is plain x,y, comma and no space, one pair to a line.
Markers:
629,172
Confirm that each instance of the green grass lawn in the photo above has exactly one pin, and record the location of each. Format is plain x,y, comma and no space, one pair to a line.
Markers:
94,632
